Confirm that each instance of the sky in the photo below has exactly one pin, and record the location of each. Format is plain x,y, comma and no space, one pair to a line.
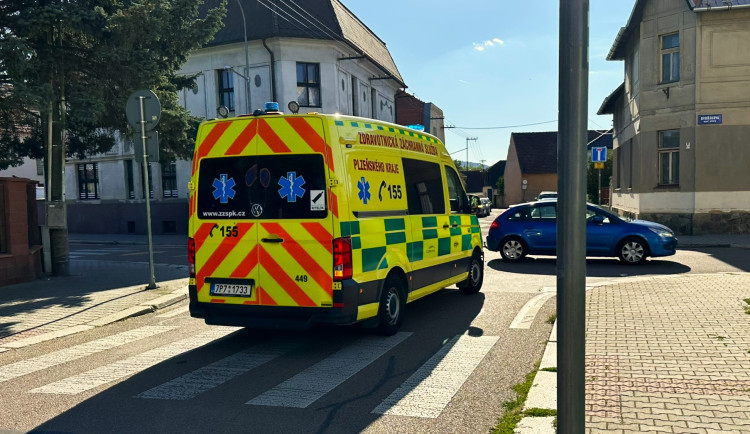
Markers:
492,63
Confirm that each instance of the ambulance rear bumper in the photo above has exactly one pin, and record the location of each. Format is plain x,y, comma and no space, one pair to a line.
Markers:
278,317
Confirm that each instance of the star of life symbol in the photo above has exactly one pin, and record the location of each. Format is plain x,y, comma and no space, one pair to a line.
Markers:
364,190
224,188
291,187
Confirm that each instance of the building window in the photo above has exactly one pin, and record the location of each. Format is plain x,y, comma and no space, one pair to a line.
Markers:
169,179
129,178
226,89
308,84
669,157
88,181
670,58
150,183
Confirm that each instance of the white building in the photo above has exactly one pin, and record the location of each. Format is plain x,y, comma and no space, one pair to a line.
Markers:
315,52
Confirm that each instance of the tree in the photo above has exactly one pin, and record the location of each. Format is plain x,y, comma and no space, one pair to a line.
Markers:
592,179
79,60
66,70
500,186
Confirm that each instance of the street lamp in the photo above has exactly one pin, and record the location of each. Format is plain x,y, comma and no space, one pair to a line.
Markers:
247,61
247,86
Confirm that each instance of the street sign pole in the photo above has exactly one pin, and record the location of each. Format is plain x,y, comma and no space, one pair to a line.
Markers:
599,190
143,111
571,221
147,191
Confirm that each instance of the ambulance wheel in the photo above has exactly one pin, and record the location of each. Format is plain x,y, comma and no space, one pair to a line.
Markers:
391,309
473,283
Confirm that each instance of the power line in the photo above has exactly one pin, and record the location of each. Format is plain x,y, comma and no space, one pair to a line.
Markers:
508,126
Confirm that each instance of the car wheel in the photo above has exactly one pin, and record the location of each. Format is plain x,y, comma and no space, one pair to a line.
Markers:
513,249
391,309
632,251
473,283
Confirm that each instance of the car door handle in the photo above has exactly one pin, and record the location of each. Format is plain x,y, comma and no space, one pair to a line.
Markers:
446,226
272,240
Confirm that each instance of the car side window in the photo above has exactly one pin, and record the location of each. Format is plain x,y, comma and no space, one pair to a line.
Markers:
458,200
544,212
424,187
519,215
590,217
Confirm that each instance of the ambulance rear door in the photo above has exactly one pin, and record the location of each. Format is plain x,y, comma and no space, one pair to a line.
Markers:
272,179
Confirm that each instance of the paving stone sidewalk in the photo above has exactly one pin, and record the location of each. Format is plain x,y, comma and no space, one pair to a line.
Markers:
94,294
663,354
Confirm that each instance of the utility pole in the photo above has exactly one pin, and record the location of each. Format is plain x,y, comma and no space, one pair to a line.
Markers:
55,231
467,149
571,221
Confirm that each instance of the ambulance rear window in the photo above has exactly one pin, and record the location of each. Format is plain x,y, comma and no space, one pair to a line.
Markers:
262,187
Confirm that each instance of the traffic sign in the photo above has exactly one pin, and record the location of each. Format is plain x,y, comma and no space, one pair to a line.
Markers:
599,154
152,148
598,165
151,109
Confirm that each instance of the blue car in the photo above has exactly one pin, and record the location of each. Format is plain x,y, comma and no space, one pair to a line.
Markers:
531,229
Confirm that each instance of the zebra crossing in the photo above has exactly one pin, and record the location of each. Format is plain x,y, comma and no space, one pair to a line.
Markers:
425,394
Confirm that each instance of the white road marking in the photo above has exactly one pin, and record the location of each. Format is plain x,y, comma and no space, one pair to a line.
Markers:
429,390
526,315
194,383
311,384
24,367
124,368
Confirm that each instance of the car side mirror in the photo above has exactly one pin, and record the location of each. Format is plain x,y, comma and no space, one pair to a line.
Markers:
598,219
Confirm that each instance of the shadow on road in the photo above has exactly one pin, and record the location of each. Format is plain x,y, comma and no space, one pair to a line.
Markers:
594,267
736,257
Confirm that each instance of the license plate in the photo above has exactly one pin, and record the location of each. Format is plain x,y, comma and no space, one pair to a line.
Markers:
231,289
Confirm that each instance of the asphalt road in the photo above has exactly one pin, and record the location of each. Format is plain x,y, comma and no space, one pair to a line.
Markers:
450,369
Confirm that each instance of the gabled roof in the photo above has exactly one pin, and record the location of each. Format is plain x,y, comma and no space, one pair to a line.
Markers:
617,52
537,152
308,19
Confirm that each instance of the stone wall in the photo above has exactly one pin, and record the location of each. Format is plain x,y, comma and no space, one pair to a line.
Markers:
711,223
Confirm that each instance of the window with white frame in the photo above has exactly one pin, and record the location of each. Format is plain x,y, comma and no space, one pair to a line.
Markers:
669,157
308,84
670,58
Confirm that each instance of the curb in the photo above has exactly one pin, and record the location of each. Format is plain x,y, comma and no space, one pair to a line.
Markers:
543,392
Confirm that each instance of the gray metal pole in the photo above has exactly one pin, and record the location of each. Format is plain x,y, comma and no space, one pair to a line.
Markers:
247,61
151,281
571,234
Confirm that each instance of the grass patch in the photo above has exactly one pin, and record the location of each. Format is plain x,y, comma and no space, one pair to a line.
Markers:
552,369
513,409
540,412
553,317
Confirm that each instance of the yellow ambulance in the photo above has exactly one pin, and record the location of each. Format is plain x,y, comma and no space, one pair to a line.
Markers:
307,219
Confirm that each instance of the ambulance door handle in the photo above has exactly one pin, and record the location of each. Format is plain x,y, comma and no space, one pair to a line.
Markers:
272,240
446,226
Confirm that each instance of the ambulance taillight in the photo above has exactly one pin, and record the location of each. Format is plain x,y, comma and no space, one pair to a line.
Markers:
191,257
342,258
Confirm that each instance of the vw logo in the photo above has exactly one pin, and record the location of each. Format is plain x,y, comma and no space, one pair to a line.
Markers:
256,210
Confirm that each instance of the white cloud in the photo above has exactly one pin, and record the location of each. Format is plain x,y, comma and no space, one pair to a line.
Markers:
481,46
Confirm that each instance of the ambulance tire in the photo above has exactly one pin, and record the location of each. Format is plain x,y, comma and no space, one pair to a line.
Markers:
392,304
473,283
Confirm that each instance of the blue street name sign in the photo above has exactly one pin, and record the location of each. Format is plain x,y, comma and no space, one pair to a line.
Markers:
709,119
599,154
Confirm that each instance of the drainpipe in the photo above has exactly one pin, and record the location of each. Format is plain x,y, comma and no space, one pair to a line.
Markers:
273,72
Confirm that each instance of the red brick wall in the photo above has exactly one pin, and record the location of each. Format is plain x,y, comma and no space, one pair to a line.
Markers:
20,252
